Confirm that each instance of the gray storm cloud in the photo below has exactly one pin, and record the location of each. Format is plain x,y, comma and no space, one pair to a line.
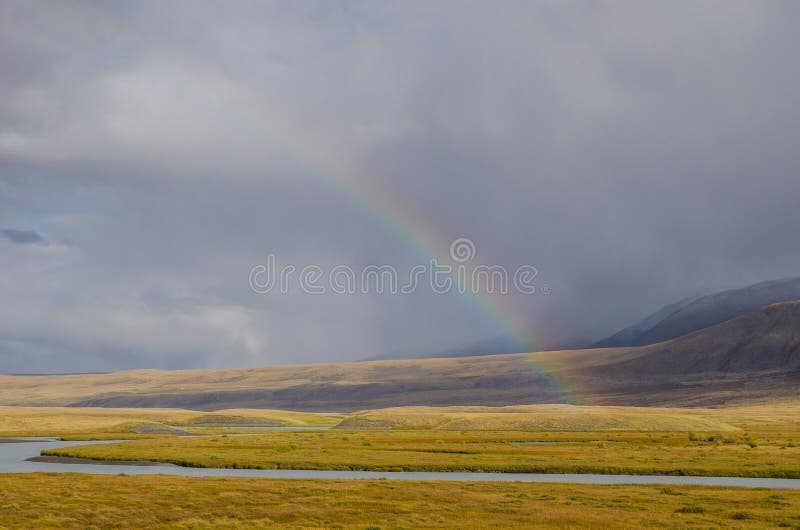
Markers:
23,237
634,153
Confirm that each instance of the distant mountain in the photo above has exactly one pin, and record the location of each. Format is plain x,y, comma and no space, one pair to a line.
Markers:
629,335
765,340
493,346
691,315
750,358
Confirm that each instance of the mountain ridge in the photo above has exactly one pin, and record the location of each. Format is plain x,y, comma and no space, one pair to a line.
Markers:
701,312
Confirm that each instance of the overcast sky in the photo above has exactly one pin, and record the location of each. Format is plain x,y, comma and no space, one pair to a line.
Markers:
153,153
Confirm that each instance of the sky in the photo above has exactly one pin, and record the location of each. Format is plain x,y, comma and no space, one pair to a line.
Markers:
154,154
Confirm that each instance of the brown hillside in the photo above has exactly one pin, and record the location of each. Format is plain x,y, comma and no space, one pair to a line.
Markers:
754,357
768,339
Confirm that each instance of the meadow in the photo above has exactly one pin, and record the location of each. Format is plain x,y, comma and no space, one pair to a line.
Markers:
756,441
719,454
87,422
92,501
759,440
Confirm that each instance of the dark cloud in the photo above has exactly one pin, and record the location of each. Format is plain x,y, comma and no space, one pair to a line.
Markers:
23,237
635,153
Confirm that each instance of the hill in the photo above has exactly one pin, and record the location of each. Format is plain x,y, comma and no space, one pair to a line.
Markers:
630,335
768,339
490,380
691,315
540,418
754,357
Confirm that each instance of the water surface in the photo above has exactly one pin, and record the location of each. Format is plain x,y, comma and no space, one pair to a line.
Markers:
252,427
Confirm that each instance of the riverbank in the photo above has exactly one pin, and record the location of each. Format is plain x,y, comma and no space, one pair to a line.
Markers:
89,461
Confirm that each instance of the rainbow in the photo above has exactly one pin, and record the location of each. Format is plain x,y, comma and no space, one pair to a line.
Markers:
425,243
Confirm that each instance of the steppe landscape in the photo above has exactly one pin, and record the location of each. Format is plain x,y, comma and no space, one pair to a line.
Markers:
396,264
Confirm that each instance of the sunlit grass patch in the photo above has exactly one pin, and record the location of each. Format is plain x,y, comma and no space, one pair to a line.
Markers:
92,501
420,450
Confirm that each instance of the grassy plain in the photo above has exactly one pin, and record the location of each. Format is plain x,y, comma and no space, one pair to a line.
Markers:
80,422
719,454
56,421
758,441
92,501
563,418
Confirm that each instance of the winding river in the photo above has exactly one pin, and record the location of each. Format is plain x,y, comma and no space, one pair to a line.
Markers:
15,452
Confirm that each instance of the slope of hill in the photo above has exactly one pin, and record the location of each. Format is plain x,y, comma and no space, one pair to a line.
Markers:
768,339
751,358
630,335
756,356
691,315
541,418
497,379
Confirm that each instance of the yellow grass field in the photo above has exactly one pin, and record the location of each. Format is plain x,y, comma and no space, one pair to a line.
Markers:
60,421
76,501
57,421
718,454
539,418
758,441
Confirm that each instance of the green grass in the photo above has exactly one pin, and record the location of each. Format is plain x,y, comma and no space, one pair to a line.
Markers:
75,501
668,453
755,441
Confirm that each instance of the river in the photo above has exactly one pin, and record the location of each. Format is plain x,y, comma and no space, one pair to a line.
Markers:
13,455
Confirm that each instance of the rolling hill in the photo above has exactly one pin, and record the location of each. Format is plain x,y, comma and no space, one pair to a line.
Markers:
693,314
768,339
751,358
631,335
